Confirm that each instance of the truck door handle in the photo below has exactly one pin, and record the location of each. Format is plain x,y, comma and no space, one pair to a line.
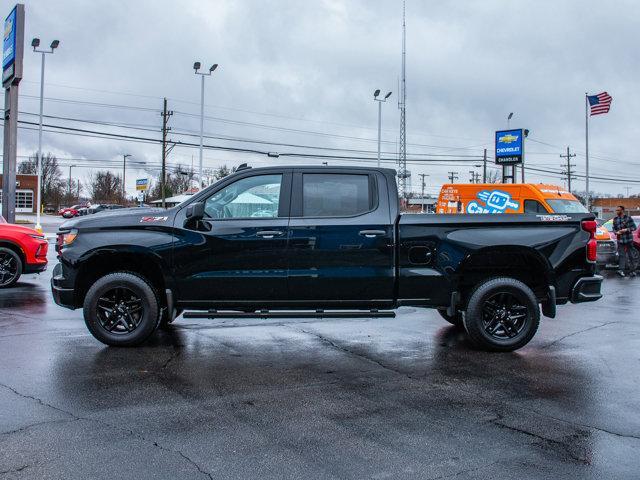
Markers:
268,234
372,233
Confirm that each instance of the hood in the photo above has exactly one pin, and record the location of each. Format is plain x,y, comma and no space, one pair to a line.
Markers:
122,217
10,227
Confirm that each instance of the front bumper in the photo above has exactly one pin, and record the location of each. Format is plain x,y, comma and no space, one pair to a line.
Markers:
62,294
587,289
35,267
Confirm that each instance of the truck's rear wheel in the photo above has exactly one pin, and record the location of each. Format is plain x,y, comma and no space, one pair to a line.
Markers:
456,320
121,309
502,315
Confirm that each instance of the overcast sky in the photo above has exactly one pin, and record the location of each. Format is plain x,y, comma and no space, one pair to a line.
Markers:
303,73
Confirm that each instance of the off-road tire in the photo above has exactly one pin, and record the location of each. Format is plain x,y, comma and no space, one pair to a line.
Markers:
149,318
477,320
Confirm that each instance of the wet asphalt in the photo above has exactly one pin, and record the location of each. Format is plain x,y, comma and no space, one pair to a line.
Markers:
367,398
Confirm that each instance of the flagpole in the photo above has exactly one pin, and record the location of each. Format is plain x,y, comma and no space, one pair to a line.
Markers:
586,134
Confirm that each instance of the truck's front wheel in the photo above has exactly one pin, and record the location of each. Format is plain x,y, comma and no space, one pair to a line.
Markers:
502,315
121,309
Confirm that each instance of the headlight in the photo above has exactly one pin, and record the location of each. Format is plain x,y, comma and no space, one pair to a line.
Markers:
67,238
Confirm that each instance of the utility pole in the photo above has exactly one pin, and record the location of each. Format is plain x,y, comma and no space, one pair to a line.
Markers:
422,175
484,167
453,176
568,172
165,119
627,189
474,177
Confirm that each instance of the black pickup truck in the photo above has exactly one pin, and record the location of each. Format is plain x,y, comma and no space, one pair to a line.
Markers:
320,242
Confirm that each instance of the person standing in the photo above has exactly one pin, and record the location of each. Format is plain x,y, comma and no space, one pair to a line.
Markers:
623,227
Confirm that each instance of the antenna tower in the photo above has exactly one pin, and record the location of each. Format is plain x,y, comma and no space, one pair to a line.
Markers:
402,101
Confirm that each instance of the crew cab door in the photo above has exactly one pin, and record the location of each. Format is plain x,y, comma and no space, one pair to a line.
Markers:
238,252
341,239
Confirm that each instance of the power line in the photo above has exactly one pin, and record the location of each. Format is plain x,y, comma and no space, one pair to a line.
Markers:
192,133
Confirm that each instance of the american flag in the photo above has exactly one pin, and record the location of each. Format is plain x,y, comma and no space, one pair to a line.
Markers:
600,103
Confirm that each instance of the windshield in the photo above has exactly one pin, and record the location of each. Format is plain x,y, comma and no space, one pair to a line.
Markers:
559,205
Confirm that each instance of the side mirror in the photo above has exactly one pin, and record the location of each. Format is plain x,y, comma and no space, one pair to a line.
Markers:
195,211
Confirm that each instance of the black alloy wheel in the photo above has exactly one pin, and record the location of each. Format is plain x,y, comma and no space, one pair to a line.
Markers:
10,267
122,309
503,315
119,310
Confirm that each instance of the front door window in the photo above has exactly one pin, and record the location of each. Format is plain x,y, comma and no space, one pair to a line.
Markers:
250,197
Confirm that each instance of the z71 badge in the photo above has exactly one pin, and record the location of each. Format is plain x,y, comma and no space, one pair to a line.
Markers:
153,219
554,218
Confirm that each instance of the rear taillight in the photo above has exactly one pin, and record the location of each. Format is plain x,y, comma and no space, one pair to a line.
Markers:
592,245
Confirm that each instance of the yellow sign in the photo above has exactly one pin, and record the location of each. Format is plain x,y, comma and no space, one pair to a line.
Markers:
142,184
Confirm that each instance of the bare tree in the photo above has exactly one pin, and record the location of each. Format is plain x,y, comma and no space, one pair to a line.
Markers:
104,186
176,183
51,186
493,176
223,171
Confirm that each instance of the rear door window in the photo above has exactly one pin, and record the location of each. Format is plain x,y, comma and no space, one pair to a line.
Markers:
335,195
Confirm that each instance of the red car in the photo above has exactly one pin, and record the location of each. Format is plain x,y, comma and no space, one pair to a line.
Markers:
22,250
70,212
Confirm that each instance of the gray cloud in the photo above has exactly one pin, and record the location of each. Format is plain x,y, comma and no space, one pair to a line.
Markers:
312,65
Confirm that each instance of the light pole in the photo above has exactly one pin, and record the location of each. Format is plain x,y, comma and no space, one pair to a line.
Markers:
509,120
35,43
380,102
196,67
70,181
124,175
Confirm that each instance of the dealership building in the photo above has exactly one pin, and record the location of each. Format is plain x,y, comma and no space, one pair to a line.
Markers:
26,186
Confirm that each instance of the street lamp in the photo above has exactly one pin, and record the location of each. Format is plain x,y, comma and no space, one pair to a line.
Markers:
124,175
70,166
196,67
509,120
35,43
380,102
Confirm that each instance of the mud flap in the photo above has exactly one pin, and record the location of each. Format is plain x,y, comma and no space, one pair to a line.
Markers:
549,304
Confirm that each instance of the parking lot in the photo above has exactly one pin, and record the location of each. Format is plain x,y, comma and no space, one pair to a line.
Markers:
384,398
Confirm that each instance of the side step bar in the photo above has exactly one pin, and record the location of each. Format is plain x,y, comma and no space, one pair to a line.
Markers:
290,314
